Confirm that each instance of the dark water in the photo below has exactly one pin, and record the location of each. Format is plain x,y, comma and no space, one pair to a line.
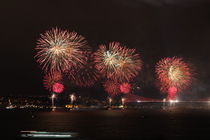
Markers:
111,124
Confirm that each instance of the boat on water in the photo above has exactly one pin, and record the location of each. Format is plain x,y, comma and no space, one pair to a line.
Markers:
44,134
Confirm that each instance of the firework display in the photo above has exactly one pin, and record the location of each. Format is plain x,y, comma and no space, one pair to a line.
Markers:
85,76
112,88
125,88
173,74
117,62
51,78
58,88
59,50
63,53
172,93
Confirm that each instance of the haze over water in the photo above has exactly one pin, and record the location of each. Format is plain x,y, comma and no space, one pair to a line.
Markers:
156,123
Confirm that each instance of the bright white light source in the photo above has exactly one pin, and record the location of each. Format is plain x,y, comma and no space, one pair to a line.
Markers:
53,96
171,101
164,100
40,134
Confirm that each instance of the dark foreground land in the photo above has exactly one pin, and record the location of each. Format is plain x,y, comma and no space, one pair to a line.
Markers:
144,124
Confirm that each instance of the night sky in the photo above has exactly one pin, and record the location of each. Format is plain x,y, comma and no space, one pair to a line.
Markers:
156,28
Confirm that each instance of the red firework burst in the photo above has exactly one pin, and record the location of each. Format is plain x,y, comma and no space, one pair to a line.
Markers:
112,88
50,79
117,62
125,88
59,50
58,88
85,76
172,93
173,73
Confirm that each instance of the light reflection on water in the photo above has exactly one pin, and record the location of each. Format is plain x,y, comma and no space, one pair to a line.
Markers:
168,123
48,135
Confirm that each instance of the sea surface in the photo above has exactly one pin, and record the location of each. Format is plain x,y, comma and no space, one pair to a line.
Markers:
142,124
